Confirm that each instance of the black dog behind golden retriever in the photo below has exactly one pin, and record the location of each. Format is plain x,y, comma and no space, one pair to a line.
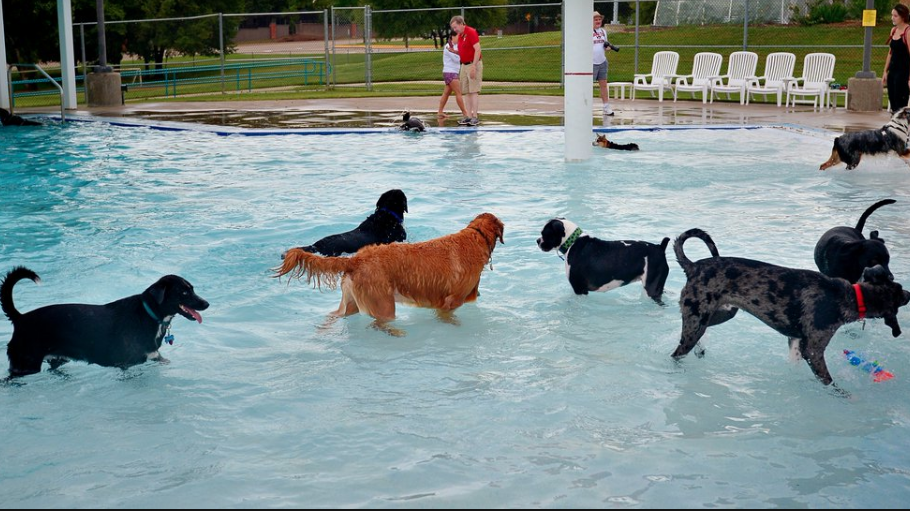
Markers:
849,148
120,334
602,141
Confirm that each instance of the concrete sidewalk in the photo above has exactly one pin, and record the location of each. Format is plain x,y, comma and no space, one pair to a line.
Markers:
501,109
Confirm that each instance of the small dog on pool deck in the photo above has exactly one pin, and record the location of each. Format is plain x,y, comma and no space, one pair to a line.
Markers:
120,334
593,264
803,305
385,225
442,273
849,148
845,253
602,141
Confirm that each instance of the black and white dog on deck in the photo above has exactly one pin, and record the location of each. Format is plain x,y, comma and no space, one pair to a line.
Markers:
849,148
593,264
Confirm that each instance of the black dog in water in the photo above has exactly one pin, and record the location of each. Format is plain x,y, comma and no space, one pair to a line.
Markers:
120,334
411,123
8,119
385,225
806,306
844,252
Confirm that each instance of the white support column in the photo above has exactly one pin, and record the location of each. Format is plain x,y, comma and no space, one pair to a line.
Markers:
67,55
4,77
579,116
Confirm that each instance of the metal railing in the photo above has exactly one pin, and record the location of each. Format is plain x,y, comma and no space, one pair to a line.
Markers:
12,96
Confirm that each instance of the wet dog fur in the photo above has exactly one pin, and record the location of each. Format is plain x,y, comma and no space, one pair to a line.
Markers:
603,141
805,306
893,137
845,253
120,334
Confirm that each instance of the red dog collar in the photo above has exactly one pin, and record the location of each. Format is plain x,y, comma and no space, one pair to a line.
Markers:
860,304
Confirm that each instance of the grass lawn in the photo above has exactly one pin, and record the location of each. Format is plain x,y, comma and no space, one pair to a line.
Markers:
530,63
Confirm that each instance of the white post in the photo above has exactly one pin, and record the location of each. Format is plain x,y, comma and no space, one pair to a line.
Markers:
579,117
4,77
67,54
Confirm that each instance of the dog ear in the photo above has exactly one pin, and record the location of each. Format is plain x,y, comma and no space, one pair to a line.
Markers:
877,275
157,291
874,236
500,230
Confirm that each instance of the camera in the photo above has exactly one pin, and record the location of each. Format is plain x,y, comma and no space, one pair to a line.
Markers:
610,46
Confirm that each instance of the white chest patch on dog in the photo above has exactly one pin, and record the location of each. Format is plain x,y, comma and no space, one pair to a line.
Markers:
153,355
613,284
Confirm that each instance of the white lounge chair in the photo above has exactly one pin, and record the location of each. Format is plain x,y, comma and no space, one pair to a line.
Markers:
663,70
818,73
778,73
705,65
740,69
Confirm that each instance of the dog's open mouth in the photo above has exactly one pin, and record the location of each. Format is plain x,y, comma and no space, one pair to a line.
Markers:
189,313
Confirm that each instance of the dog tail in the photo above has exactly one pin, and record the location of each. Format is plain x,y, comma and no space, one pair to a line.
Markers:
872,208
321,270
6,290
681,258
624,147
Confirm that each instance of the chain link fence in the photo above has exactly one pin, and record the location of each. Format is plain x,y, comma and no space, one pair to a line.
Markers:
399,51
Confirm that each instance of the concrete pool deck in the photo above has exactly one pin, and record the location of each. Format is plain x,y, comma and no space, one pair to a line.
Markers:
495,110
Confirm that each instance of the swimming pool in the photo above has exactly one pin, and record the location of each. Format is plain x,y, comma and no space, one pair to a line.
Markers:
539,399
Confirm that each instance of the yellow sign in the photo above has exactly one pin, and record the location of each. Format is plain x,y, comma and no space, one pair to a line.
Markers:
869,18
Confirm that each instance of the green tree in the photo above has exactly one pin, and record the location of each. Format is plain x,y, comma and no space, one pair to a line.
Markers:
433,24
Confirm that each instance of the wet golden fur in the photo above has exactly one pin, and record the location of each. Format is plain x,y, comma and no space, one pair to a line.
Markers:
442,273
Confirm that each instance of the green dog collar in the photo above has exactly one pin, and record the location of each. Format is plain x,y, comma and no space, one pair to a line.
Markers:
564,248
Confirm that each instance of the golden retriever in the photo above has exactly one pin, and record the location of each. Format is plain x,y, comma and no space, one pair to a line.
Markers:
442,273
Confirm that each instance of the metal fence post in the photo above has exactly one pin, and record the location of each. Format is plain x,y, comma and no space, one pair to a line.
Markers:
221,49
745,25
562,46
325,38
368,45
334,67
82,41
637,10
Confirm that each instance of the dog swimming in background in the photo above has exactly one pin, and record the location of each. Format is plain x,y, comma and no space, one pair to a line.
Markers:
845,253
603,141
594,264
8,119
384,225
806,306
893,137
121,334
411,123
441,273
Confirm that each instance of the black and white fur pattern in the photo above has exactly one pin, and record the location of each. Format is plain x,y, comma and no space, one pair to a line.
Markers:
120,334
845,253
806,306
411,123
894,137
593,264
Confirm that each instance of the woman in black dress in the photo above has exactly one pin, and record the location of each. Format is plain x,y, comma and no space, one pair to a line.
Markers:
897,65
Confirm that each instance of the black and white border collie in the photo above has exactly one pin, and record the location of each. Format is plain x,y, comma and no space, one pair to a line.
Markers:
593,264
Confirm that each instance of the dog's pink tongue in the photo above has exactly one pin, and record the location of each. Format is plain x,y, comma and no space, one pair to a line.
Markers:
193,313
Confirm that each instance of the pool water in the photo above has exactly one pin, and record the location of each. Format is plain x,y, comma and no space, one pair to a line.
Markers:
540,398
